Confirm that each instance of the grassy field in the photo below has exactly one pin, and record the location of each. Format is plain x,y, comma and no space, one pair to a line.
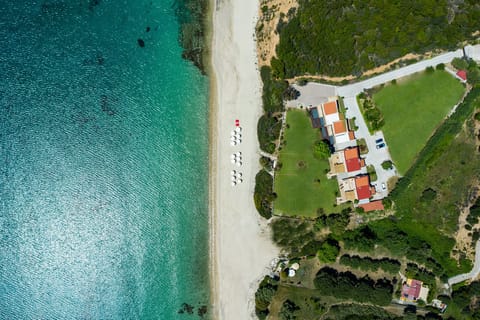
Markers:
299,192
413,109
449,166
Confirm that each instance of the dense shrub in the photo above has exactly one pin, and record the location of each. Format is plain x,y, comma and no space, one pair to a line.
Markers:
350,36
321,149
336,222
268,130
273,91
459,63
264,295
328,251
474,214
370,264
263,194
387,164
346,286
295,236
353,311
289,310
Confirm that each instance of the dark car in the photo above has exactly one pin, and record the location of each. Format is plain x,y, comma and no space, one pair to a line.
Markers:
379,140
381,145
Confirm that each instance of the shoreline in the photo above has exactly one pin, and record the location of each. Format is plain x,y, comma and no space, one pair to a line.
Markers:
212,158
241,248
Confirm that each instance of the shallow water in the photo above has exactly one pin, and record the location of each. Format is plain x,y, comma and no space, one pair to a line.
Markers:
103,163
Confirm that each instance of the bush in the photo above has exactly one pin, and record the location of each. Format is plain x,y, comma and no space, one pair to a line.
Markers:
321,149
264,295
440,66
387,165
459,64
268,130
328,251
291,93
273,91
289,310
346,286
359,43
263,195
372,173
430,70
369,264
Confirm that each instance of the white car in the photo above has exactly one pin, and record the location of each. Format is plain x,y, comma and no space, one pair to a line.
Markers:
384,187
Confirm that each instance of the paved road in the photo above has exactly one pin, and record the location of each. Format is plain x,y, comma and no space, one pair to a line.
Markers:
355,88
472,274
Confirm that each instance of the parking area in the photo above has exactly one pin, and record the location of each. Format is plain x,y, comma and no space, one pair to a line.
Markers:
377,151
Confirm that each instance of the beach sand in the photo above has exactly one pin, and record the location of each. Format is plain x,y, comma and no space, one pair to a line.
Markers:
241,249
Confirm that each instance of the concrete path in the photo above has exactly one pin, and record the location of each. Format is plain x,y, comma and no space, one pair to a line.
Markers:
355,88
472,274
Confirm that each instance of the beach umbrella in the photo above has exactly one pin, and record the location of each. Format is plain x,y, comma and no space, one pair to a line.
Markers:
238,129
232,143
234,183
239,163
240,180
233,138
233,161
239,174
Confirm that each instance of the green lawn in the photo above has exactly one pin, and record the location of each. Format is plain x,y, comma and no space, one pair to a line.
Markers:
413,109
299,194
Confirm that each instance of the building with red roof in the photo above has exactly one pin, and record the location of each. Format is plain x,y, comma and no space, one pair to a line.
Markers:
352,159
362,185
372,206
462,74
413,290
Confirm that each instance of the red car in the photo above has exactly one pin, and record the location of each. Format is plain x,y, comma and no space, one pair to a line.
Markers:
237,123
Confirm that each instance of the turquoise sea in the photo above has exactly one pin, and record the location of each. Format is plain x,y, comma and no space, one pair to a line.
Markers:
103,163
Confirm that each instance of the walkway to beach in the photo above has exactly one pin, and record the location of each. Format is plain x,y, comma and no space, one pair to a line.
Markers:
472,274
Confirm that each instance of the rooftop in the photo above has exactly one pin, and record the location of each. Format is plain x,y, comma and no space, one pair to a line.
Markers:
339,127
462,74
362,184
372,206
330,107
352,159
411,289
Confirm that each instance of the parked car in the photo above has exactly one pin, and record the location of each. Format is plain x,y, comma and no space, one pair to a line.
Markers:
384,187
381,145
379,140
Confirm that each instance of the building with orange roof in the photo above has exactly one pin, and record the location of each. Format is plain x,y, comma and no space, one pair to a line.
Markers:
352,159
330,107
372,206
347,160
331,122
362,185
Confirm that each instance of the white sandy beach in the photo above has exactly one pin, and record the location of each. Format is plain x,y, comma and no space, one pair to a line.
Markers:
241,246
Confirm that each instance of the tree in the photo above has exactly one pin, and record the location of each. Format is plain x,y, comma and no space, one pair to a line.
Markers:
321,149
387,164
459,64
328,251
288,311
